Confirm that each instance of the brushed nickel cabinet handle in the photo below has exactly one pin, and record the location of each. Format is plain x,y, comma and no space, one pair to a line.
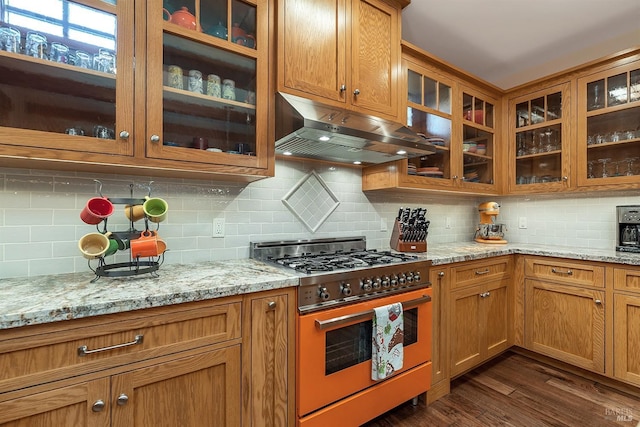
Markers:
83,349
271,305
343,88
568,272
485,294
441,274
98,405
480,273
565,178
155,138
122,399
598,302
356,92
124,134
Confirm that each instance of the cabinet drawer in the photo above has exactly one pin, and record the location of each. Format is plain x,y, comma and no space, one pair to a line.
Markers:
471,273
572,272
626,279
44,353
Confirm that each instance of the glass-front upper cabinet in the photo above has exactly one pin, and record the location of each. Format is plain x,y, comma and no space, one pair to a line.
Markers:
429,109
478,140
537,135
67,70
206,99
608,137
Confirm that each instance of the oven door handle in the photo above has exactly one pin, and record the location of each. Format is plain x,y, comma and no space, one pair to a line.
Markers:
365,315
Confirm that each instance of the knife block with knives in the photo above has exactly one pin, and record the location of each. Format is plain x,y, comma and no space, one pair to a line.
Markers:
410,230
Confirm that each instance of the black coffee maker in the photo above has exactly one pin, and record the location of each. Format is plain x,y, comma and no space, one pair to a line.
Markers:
628,230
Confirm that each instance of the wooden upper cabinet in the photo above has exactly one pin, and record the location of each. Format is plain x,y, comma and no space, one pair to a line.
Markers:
342,52
102,91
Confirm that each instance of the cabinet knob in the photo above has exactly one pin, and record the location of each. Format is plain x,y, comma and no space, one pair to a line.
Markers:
455,177
343,88
124,134
565,178
155,138
98,405
598,302
271,305
356,92
122,399
441,274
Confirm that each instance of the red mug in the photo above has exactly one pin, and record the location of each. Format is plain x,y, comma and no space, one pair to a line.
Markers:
96,210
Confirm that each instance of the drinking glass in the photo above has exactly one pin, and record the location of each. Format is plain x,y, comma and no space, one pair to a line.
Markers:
630,161
35,45
590,169
9,39
604,162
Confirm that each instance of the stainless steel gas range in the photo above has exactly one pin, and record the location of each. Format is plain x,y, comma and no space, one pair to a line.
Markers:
341,282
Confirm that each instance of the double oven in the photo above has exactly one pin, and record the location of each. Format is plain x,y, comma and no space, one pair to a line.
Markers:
341,283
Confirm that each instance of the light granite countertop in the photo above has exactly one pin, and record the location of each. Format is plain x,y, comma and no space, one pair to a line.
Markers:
44,299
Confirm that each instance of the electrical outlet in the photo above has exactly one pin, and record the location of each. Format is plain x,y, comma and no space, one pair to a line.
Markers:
383,224
447,222
522,222
218,227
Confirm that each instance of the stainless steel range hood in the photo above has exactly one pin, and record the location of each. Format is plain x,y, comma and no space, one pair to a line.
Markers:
309,129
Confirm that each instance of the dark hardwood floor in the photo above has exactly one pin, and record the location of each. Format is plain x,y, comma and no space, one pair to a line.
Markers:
514,390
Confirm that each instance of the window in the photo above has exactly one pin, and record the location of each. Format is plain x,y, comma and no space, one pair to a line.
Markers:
62,19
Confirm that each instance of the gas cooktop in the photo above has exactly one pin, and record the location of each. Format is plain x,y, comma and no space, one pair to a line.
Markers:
324,255
342,271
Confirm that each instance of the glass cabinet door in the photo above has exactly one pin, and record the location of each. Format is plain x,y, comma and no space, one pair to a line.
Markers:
609,127
203,70
536,137
478,139
67,71
429,114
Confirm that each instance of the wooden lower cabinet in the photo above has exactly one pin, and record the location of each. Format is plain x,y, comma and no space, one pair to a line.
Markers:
626,346
566,322
65,406
479,323
206,363
269,356
439,277
626,324
182,392
203,389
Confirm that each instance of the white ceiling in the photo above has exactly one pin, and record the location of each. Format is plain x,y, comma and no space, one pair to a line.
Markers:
511,42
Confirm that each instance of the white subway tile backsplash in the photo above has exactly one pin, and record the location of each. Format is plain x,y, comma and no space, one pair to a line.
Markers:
28,251
28,217
40,223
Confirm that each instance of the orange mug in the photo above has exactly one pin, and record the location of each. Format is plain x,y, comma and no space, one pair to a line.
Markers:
147,245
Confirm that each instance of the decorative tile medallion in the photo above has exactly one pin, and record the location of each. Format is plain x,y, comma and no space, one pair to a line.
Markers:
311,201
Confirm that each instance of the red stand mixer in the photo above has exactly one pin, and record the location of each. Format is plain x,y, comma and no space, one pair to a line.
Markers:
488,231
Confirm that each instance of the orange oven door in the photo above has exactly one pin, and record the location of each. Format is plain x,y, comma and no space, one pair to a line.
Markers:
334,348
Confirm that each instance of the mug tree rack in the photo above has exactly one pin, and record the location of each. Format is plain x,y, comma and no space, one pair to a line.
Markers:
135,266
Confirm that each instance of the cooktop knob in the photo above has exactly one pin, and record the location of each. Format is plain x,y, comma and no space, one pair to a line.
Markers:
346,289
385,282
367,285
394,280
377,283
416,276
409,277
402,278
323,293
